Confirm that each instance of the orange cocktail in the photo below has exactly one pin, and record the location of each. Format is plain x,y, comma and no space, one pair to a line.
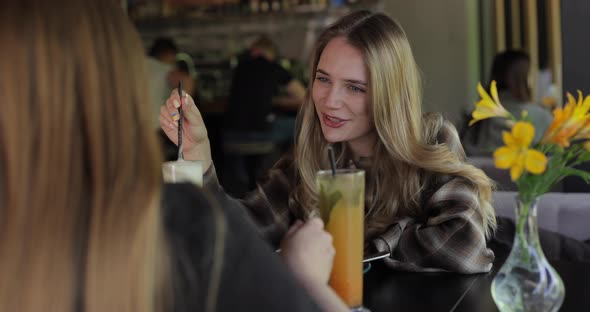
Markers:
342,206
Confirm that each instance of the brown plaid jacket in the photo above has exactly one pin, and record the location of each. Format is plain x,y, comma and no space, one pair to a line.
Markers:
450,238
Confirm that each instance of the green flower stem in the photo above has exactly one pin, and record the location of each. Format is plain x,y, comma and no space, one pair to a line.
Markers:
580,157
522,218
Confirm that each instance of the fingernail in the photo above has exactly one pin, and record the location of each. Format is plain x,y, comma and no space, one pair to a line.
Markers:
185,101
176,103
175,116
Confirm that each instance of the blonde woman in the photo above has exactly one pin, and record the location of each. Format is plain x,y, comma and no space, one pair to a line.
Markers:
84,222
424,204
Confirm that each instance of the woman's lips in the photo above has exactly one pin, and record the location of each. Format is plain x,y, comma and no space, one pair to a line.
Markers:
333,122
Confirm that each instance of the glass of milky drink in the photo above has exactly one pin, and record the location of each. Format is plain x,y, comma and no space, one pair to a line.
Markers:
183,171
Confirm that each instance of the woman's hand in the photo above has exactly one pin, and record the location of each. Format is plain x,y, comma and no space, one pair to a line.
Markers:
308,251
194,135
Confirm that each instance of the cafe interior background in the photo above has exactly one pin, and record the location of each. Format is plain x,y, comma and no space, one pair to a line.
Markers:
454,43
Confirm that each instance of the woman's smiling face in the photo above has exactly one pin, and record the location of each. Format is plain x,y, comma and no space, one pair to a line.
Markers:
340,95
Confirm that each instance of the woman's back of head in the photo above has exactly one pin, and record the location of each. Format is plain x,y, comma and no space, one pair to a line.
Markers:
79,169
264,46
510,70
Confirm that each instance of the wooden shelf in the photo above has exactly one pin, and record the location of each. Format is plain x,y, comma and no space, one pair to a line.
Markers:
298,14
214,39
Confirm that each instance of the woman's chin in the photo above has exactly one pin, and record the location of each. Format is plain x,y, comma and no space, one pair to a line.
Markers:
333,135
332,138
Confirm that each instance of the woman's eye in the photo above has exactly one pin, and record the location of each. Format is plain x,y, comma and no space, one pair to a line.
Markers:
355,89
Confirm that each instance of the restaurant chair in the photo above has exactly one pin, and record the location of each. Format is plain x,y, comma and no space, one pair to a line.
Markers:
245,158
565,213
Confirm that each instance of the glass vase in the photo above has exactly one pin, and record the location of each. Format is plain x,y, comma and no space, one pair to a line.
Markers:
526,281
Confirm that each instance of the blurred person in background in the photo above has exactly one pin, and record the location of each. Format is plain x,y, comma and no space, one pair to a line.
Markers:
160,61
85,222
510,70
166,66
164,72
164,50
548,92
423,203
252,115
255,84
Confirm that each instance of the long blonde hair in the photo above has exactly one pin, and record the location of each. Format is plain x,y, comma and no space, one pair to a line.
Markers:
80,221
407,146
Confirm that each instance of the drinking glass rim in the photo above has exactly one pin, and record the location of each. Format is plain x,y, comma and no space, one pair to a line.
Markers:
182,162
344,171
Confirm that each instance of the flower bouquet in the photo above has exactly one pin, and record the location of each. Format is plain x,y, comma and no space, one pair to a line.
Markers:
526,281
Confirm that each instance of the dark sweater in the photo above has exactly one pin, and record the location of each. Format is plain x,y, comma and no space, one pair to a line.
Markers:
253,277
255,81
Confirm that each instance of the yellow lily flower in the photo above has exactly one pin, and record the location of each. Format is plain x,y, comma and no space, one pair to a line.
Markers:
488,107
584,132
570,122
516,154
581,118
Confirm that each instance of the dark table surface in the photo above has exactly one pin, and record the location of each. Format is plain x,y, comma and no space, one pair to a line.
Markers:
389,290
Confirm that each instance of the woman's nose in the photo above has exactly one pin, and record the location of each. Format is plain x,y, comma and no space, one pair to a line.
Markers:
333,99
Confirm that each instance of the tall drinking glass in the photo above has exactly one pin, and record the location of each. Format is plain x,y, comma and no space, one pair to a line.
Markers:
342,206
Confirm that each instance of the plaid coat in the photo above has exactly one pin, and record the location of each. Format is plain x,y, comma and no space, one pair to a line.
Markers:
449,238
